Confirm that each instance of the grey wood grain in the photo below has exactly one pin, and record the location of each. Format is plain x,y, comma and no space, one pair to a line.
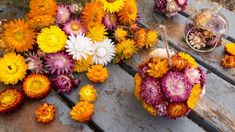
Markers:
22,119
175,30
117,110
218,101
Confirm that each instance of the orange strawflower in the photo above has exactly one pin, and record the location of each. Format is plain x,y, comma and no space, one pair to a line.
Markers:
10,99
42,7
39,21
140,38
228,61
36,86
128,13
88,93
138,81
92,14
97,74
45,113
18,35
158,67
82,111
175,110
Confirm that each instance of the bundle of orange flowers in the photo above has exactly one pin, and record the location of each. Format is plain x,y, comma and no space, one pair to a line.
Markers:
57,40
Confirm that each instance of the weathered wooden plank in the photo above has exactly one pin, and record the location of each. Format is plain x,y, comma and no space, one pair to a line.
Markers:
23,118
117,110
216,107
227,13
175,28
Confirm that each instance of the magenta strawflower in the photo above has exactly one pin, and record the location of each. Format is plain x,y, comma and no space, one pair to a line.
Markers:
64,83
110,20
63,14
59,63
35,63
151,91
176,86
73,27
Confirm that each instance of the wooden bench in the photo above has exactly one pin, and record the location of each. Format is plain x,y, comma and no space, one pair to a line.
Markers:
117,110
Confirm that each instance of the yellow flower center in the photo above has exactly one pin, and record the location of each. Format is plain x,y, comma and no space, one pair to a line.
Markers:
7,99
12,68
75,26
35,85
19,36
112,18
53,39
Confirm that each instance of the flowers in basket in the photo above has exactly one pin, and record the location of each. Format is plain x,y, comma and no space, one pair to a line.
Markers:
170,7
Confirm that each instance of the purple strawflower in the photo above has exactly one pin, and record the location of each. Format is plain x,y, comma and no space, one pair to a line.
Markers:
151,91
110,20
64,83
59,63
176,86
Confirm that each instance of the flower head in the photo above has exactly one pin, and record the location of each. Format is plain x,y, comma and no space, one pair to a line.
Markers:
73,27
36,86
82,111
45,113
140,38
152,110
97,33
179,63
35,63
79,47
83,64
193,75
190,59
10,99
228,61
175,110
112,5
110,20
194,96
64,83
137,88
13,68
63,14
59,63
157,67
176,86
92,14
51,39
104,52
88,93
151,91
126,49
18,35
128,14
230,48
42,7
97,73
39,21
120,34
151,39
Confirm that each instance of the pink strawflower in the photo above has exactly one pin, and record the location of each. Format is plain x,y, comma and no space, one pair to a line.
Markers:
151,91
110,20
63,14
193,75
203,77
64,83
35,63
73,27
176,86
59,63
142,69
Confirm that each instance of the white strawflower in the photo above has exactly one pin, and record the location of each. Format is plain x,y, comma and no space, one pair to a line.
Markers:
79,46
104,52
